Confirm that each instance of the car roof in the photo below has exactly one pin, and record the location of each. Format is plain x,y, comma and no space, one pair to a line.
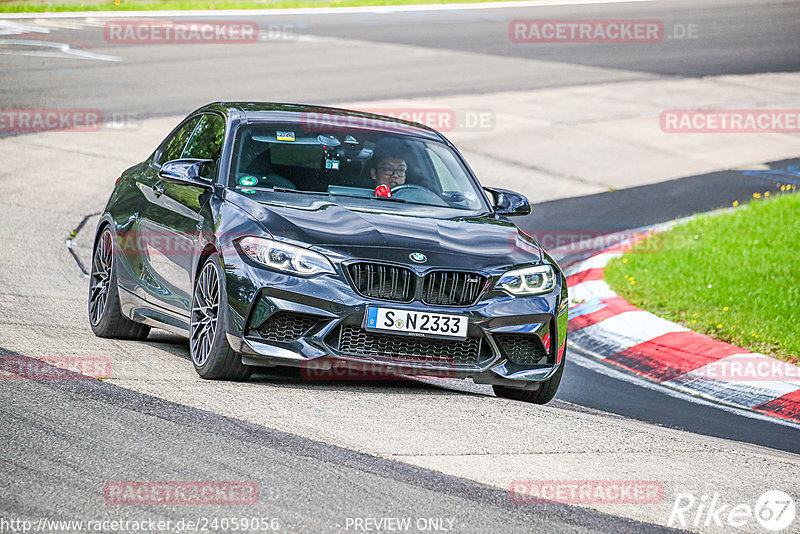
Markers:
322,117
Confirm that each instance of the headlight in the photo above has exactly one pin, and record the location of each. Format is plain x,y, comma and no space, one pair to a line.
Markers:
286,258
529,281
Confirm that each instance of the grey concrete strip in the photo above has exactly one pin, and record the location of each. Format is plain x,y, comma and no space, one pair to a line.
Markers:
573,141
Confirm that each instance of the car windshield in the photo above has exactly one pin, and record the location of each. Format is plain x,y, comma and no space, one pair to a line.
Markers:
375,167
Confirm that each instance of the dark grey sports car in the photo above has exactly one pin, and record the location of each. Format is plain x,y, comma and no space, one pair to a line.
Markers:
320,238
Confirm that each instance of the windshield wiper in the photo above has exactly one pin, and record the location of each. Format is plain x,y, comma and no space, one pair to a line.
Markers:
390,199
289,190
280,190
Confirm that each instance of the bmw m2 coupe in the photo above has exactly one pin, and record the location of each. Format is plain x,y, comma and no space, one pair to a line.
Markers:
289,235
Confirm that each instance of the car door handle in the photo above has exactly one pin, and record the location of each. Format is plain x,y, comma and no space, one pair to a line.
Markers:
158,190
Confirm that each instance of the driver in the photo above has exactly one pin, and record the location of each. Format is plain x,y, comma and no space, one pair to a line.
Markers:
390,167
390,170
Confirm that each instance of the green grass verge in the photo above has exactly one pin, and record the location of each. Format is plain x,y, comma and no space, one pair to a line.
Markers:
15,6
734,276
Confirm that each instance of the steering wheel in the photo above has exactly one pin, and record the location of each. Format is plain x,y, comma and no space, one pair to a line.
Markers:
403,187
417,193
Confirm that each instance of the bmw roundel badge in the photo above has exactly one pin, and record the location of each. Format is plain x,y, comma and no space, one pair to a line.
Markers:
418,257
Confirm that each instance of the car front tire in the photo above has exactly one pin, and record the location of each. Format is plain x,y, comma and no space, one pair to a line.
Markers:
105,315
543,395
212,356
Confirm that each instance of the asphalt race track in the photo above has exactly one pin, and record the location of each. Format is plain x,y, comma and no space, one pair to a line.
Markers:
303,482
442,52
324,454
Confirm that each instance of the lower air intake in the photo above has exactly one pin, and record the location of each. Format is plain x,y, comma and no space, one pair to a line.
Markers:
521,348
358,342
286,326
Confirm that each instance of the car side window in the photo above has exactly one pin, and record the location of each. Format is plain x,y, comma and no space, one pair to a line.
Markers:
206,143
173,147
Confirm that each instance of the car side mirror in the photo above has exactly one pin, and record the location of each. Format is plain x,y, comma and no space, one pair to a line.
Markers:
508,202
185,171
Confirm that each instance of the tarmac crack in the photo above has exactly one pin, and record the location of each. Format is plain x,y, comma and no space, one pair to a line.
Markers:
72,236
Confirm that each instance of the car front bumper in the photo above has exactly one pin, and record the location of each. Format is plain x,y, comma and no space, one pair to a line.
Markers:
316,324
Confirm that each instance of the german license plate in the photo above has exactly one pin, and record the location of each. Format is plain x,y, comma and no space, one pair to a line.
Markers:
416,323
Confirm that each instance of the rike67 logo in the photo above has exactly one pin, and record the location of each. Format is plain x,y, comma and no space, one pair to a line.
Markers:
774,510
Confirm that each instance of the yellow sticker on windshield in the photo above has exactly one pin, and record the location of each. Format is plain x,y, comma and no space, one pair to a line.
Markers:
285,136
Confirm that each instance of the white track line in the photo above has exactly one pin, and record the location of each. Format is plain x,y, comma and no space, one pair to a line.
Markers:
12,28
51,49
316,11
58,24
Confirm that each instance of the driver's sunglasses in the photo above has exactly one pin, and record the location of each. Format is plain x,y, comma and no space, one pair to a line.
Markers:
401,173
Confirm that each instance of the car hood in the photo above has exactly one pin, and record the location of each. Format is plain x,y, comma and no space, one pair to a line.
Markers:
474,242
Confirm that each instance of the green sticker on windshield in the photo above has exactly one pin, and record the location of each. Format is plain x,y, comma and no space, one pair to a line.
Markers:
248,180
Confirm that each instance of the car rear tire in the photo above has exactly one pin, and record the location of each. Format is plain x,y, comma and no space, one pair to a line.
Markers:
543,395
212,356
105,314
